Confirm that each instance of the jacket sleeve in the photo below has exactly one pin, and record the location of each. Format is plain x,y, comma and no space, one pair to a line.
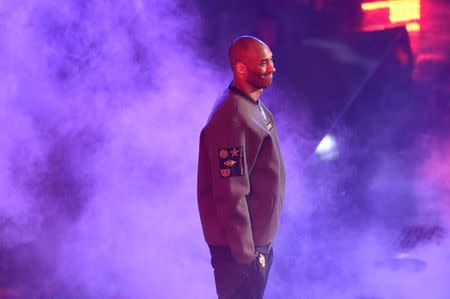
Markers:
232,151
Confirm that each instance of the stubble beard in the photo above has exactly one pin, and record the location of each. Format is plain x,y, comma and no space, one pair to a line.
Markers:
261,81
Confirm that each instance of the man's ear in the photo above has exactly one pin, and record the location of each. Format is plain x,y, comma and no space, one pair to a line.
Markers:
241,68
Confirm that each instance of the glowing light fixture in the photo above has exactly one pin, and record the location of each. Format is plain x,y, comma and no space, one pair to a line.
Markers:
375,5
400,11
327,148
413,27
404,10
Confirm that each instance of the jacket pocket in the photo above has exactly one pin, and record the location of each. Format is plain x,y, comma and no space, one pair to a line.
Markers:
262,207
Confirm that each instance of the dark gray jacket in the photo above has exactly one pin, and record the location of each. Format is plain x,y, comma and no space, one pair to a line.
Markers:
241,178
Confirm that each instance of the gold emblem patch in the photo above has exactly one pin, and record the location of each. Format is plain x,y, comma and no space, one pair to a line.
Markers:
230,161
234,152
223,153
225,172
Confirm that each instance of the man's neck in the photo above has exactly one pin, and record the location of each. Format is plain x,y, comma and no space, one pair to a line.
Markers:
248,90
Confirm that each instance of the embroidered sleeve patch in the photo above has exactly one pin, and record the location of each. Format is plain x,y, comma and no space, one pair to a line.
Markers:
230,161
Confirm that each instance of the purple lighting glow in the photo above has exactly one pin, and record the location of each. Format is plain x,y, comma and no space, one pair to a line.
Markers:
101,107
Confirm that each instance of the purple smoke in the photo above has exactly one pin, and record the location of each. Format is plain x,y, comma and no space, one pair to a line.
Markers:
101,105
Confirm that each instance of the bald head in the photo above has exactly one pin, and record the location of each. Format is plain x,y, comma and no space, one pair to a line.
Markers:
244,48
251,63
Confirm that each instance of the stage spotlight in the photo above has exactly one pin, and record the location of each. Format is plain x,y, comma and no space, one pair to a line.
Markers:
327,148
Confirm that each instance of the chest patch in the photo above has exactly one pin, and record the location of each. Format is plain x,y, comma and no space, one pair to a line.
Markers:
230,161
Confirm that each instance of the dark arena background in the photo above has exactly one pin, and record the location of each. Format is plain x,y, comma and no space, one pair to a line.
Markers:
101,106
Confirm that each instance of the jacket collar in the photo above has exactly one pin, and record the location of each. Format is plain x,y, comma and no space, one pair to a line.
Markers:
245,96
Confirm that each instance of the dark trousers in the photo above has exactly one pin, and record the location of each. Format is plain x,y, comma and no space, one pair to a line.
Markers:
239,281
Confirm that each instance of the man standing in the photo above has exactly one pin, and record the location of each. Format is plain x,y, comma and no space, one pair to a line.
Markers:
241,178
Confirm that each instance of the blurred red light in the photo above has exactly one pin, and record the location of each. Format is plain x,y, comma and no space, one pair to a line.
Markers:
399,12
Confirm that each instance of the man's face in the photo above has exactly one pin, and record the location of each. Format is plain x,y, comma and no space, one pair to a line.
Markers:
260,67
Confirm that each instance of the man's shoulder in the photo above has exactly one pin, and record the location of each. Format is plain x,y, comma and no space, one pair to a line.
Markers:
232,111
225,108
230,104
